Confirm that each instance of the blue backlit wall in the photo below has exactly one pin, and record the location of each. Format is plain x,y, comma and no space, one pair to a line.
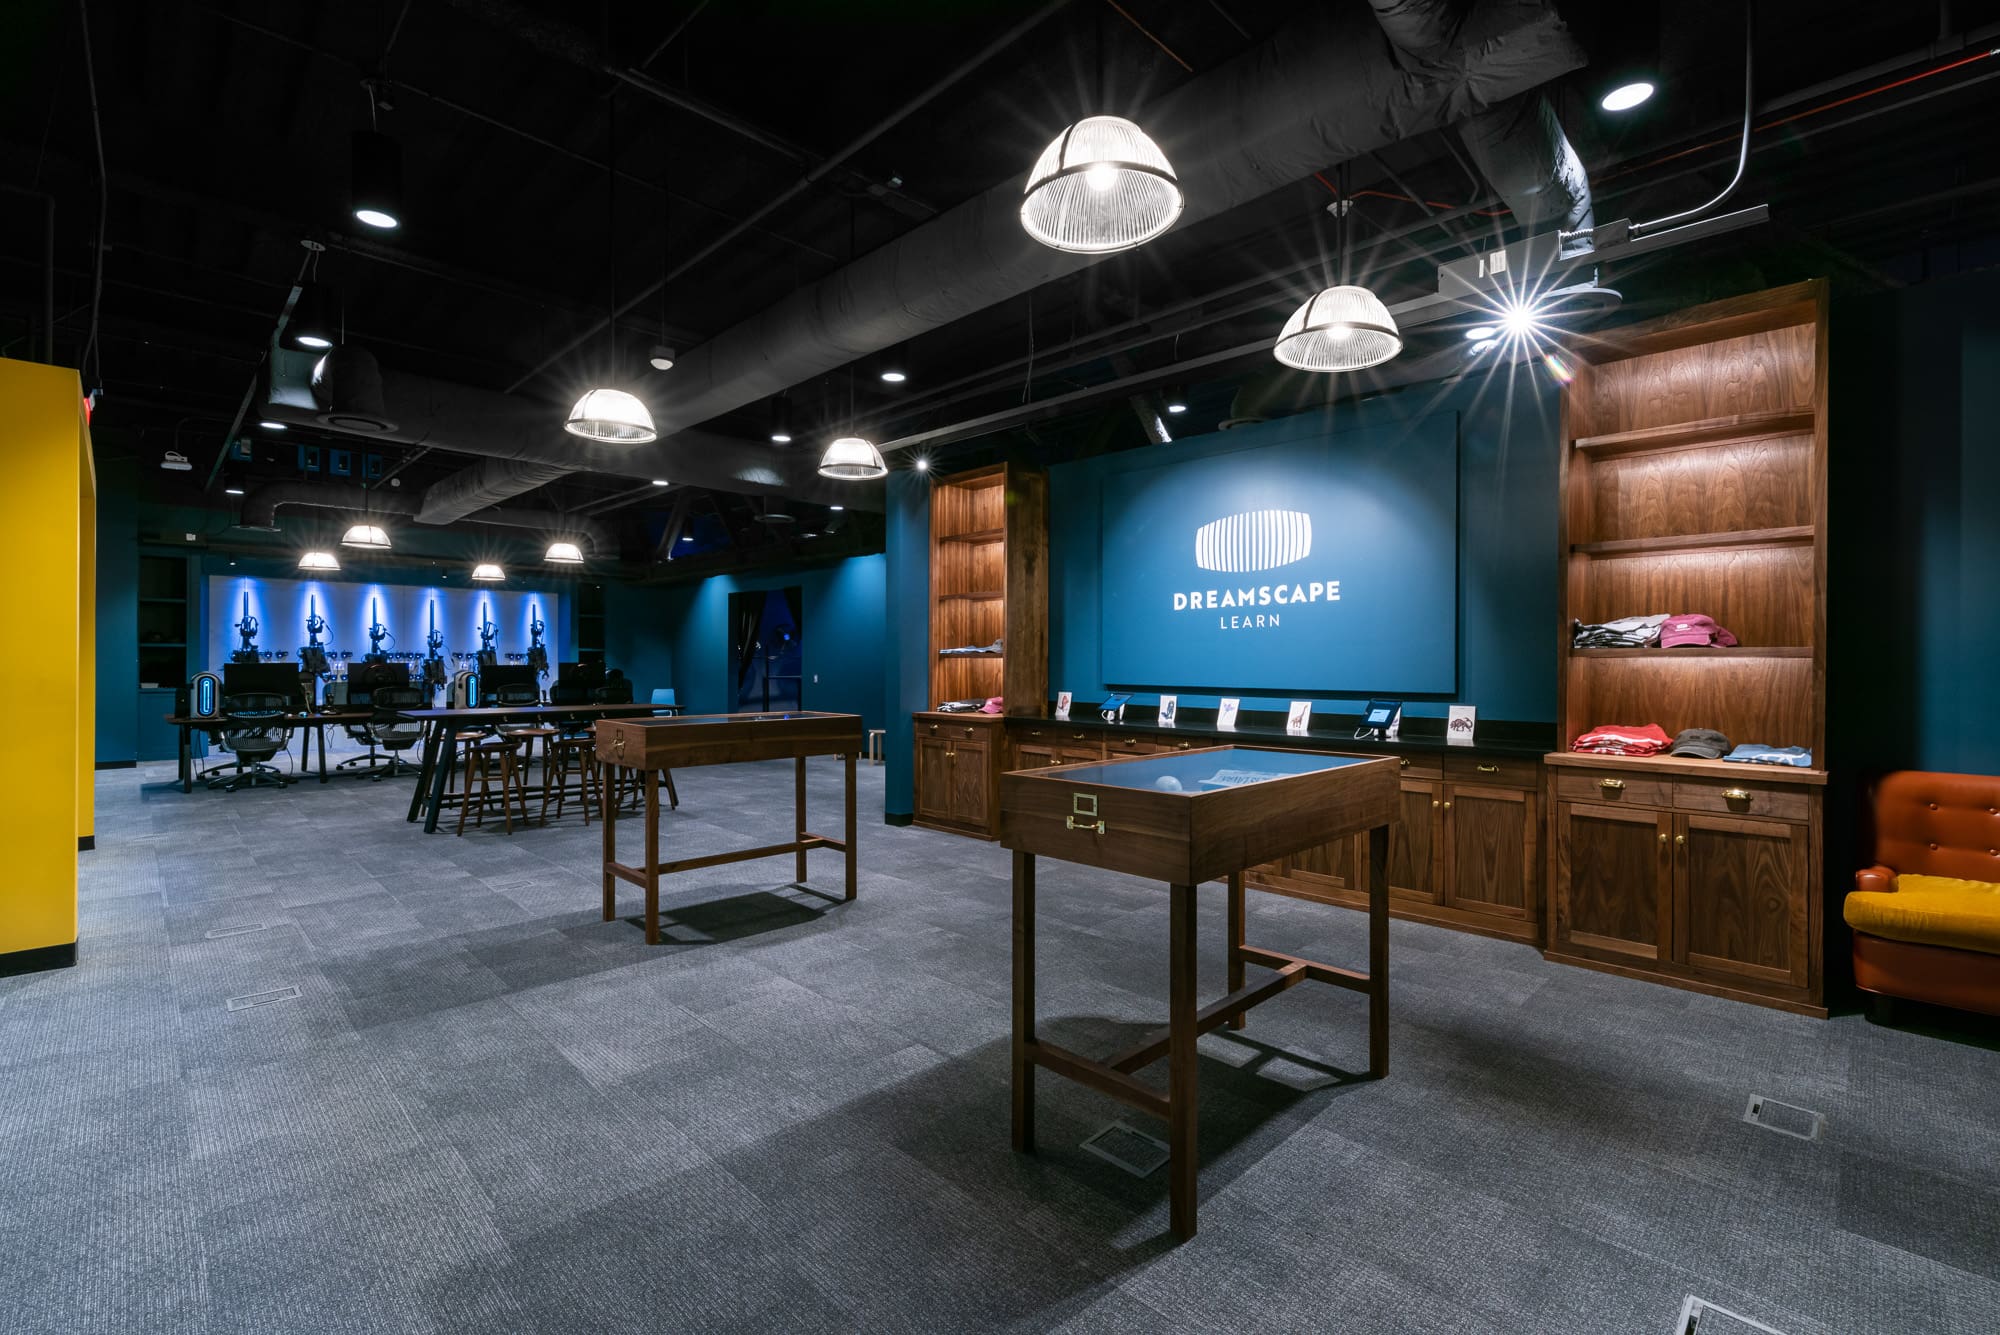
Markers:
351,608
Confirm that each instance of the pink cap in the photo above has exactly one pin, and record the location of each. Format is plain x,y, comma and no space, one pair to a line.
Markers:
994,704
1694,629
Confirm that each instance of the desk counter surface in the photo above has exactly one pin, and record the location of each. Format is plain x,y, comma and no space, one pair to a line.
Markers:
721,739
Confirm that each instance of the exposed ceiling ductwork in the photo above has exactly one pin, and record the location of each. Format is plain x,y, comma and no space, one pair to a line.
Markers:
260,511
1518,144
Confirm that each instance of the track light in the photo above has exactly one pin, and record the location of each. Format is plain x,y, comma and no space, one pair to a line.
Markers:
488,573
323,562
564,554
662,357
368,537
1175,399
312,325
894,366
1102,186
781,420
613,416
853,459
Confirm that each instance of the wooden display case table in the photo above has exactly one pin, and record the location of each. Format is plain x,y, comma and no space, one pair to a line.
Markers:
1186,817
647,746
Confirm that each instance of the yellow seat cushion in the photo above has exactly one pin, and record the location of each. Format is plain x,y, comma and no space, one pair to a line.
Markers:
1930,911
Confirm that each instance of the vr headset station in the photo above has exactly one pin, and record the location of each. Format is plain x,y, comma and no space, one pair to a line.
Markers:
1480,507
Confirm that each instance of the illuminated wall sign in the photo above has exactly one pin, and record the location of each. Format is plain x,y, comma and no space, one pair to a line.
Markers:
1324,561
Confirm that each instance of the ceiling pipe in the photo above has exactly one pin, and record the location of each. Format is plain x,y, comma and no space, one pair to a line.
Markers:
260,512
1326,88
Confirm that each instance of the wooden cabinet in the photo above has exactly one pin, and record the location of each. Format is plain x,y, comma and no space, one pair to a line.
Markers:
957,773
1414,845
1693,480
1491,836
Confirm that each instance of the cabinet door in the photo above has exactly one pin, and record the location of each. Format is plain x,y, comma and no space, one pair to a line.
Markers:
1034,755
1077,753
1489,850
971,793
1740,906
1614,880
1414,845
933,778
1325,867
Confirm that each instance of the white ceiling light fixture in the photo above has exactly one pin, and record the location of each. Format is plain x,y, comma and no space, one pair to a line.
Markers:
564,554
368,537
270,425
1102,186
1626,96
853,459
613,416
1479,333
1340,329
323,562
659,482
662,357
488,573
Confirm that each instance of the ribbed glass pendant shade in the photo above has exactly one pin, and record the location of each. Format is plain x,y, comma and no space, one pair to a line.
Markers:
366,536
323,562
488,573
611,415
853,459
564,554
1340,329
1101,186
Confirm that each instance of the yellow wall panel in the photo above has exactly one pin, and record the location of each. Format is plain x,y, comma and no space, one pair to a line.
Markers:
44,478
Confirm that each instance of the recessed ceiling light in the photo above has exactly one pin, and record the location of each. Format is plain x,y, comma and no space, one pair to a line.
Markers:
659,482
894,377
662,357
687,537
270,425
781,437
836,507
1479,333
923,465
376,218
1627,95
232,491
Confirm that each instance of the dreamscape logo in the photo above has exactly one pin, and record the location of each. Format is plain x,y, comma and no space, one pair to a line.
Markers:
1248,543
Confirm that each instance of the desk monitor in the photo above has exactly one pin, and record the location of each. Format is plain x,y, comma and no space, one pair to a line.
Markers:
263,679
365,678
492,680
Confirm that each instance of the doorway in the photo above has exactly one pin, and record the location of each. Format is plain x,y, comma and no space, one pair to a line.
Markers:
767,650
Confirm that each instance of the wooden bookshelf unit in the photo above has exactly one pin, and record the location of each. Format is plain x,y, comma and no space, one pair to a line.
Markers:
989,582
1693,479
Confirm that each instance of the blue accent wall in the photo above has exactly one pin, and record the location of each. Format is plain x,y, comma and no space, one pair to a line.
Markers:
117,613
1504,540
907,633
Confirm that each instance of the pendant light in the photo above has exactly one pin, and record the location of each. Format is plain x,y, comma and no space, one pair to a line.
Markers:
781,420
605,414
853,459
375,180
310,324
1340,328
323,563
563,554
368,537
488,573
1102,186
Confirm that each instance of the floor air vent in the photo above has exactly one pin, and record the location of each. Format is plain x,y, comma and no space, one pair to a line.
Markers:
1701,1317
1787,1119
245,1002
1134,1151
221,932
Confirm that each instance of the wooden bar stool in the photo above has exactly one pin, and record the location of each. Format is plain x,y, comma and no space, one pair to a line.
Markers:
570,757
629,785
483,757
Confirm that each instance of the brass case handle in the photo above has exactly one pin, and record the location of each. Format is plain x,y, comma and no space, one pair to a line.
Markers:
1088,826
1404,763
1489,769
1611,785
1736,794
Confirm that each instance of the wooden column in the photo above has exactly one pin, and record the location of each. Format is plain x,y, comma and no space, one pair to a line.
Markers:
1238,925
1183,1102
1024,1000
1378,951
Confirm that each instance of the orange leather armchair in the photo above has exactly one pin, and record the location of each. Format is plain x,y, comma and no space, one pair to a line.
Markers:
1933,825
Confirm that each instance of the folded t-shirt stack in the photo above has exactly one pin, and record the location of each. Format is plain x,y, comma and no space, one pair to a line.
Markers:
1624,633
965,650
1617,739
1756,753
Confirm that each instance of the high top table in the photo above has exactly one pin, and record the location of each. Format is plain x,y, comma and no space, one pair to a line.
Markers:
1186,817
308,723
645,747
442,726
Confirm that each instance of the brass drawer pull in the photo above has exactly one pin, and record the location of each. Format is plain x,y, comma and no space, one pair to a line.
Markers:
1076,737
1434,804
1680,841
1736,794
1489,769
1447,806
1404,762
933,727
1088,826
1611,785
1034,732
968,732
1663,839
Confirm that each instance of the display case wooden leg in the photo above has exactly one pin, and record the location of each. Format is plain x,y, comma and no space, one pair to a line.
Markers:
652,819
799,810
1238,924
1378,951
1024,1000
1182,1100
848,837
608,810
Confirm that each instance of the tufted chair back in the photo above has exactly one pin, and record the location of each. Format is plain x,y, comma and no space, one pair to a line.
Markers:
1938,824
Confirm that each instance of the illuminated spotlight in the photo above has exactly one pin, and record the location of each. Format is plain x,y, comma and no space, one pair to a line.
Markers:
836,507
1520,319
1558,368
270,425
1481,346
1480,333
1626,96
232,491
659,482
687,537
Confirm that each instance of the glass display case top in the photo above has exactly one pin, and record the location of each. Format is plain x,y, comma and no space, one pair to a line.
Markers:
1204,771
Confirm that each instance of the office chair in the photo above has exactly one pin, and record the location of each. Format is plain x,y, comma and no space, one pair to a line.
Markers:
338,699
391,731
253,742
664,697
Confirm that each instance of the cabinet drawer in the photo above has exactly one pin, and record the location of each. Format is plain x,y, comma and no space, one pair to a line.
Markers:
1411,767
1742,799
1508,773
1622,790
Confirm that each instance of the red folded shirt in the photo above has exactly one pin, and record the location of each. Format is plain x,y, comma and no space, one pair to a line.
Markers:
1619,740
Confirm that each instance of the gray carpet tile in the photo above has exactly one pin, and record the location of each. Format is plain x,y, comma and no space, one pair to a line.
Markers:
485,1108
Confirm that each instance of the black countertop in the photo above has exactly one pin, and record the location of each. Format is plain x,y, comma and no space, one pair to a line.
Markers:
1419,736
